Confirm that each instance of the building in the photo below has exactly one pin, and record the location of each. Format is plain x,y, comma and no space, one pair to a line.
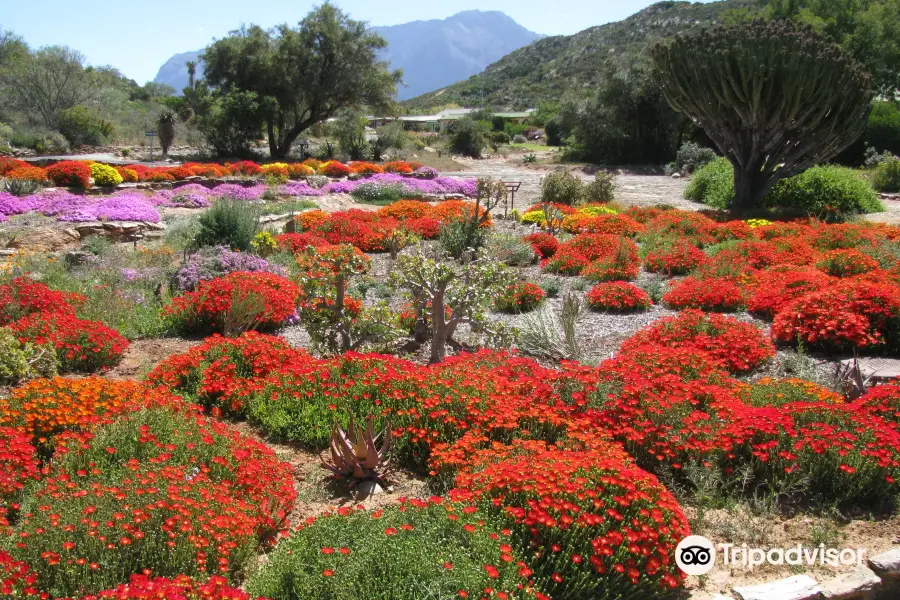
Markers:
443,119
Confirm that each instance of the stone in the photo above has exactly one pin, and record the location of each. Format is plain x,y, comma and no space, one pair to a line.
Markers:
676,175
801,587
72,234
858,584
79,257
367,488
887,565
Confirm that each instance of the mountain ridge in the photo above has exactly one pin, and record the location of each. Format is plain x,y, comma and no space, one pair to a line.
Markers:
432,53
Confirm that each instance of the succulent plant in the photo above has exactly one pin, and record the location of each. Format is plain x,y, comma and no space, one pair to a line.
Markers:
355,455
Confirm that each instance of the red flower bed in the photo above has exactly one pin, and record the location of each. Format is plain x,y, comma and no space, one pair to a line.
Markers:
609,224
141,587
23,296
776,288
244,167
852,314
521,297
543,243
883,401
690,226
424,227
18,580
335,169
70,173
591,521
81,346
678,258
217,372
298,242
397,166
28,173
128,175
618,297
717,295
740,346
257,300
406,209
18,465
601,257
846,263
8,165
365,168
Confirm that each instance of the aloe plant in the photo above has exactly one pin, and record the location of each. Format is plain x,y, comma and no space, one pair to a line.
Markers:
355,454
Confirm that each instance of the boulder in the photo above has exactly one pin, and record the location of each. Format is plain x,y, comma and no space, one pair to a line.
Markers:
800,587
857,585
887,565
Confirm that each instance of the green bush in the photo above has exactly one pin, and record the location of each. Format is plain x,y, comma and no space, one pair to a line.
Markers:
562,187
886,177
230,223
467,138
20,361
828,192
458,236
410,552
691,156
81,126
511,250
712,184
554,133
601,189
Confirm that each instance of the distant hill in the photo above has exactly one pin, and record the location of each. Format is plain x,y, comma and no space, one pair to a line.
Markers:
431,53
547,68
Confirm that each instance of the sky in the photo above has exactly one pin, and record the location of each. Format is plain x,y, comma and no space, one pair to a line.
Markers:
138,37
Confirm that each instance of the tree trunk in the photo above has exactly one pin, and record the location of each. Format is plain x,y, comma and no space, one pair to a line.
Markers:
440,329
750,188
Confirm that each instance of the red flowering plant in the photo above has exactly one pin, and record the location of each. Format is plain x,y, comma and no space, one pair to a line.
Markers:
23,296
674,257
70,173
17,580
217,372
590,523
543,243
397,166
841,235
423,227
157,174
299,170
19,464
365,168
850,314
7,165
716,295
693,227
775,288
142,587
244,167
741,346
448,549
620,262
81,346
406,209
235,303
295,243
29,173
128,175
618,297
882,401
609,224
846,263
334,168
521,297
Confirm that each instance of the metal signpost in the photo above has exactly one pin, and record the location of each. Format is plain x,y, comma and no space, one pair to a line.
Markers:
511,187
151,135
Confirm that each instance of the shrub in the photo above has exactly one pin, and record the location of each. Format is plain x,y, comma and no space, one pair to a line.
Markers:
244,167
692,156
235,303
297,242
618,297
511,250
216,373
19,361
230,223
612,258
846,263
80,126
521,297
851,314
457,237
601,189
886,177
712,184
397,166
70,173
543,243
467,138
777,288
298,170
23,296
211,263
335,169
607,533
105,175
882,401
740,346
406,209
828,191
562,187
781,392
677,257
717,295
81,346
448,551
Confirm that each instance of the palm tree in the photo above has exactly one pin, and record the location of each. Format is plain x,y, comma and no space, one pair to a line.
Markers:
165,127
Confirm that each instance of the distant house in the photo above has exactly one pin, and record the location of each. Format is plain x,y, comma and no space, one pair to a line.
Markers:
443,119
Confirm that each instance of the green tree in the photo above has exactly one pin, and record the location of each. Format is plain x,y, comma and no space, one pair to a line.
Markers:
165,127
468,137
303,75
775,98
230,122
350,130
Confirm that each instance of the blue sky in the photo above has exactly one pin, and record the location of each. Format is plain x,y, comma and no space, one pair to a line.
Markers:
138,37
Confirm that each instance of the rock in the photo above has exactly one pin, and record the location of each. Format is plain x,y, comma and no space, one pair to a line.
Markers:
676,175
887,565
801,587
367,488
74,258
852,586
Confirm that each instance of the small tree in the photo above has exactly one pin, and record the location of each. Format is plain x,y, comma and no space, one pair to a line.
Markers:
165,127
335,322
448,295
775,98
467,137
465,232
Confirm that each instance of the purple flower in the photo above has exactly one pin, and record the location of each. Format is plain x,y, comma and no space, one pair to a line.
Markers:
239,192
216,262
298,188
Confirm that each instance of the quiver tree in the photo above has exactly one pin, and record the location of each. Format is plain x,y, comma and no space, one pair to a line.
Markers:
775,98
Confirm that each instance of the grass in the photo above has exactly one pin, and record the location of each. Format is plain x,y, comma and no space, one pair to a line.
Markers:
287,206
530,147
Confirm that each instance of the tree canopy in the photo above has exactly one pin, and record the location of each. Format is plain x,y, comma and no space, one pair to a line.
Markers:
304,75
775,98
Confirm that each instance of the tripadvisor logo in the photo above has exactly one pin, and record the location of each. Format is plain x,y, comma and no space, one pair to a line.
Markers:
696,555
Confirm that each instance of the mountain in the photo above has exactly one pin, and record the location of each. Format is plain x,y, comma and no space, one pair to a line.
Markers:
549,67
432,53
